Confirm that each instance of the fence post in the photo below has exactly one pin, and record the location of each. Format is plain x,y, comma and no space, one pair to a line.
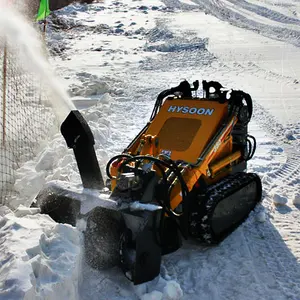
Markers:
4,73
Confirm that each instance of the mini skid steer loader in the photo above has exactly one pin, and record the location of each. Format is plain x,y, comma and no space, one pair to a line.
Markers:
183,176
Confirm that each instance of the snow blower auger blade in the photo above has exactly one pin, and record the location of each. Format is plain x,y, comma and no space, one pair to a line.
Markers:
183,176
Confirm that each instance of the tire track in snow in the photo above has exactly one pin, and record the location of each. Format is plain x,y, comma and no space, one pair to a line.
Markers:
224,12
266,12
220,272
289,173
287,217
278,238
273,244
261,19
269,249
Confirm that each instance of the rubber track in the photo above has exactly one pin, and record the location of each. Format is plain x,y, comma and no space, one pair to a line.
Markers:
200,225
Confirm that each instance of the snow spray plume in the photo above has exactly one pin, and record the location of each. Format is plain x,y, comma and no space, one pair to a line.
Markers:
20,33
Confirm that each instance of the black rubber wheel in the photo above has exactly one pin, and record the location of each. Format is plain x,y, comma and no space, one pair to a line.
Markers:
102,238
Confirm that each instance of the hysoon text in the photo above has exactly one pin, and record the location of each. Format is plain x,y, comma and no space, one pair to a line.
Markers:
190,110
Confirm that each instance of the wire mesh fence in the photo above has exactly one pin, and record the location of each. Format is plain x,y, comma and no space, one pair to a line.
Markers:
25,118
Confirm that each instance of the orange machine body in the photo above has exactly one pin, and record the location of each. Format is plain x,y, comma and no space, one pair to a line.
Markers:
194,131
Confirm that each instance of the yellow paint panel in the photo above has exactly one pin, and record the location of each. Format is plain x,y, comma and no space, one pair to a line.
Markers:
184,127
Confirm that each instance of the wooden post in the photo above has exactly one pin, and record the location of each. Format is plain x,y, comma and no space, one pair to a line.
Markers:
4,73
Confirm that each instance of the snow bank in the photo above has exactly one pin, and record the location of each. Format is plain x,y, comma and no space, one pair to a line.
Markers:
91,85
39,258
159,289
172,291
161,39
279,198
57,162
289,134
296,198
155,295
261,216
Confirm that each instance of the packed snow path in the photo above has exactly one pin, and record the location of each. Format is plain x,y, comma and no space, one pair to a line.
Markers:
278,20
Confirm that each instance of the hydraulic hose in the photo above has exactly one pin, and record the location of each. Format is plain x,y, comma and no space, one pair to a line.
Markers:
159,101
171,165
112,160
253,147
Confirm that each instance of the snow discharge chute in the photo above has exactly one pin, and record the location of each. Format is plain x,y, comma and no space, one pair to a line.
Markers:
183,176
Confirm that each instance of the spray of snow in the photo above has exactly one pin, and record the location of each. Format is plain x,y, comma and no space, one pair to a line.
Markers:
17,31
142,206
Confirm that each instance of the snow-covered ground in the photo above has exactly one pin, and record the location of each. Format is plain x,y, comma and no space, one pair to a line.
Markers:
114,58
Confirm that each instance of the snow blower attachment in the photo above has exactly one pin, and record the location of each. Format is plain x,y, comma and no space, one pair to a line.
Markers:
184,175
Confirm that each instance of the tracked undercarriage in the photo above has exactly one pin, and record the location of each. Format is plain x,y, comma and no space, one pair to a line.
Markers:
183,176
